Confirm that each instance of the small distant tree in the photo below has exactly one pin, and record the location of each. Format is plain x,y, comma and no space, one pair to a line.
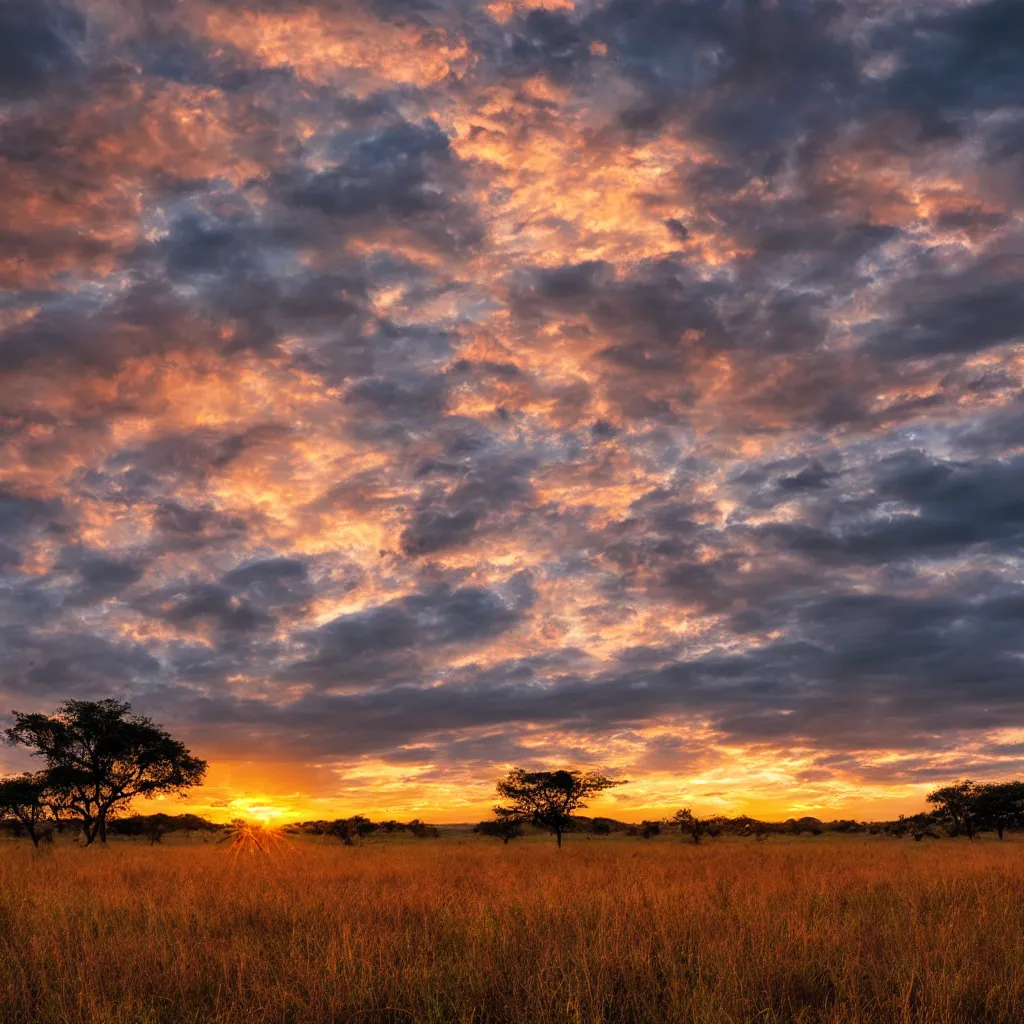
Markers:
421,830
348,830
747,826
24,798
550,799
958,806
693,827
99,756
797,826
135,826
157,828
505,826
649,829
1000,805
896,829
189,823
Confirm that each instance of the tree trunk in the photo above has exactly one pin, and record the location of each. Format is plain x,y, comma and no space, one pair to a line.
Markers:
999,829
102,828
88,830
558,836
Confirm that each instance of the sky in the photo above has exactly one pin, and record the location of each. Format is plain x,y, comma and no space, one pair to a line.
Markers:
394,392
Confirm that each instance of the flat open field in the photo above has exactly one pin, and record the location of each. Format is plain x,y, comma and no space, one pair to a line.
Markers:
851,929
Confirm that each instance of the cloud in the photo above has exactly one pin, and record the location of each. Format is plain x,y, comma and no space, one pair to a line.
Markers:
629,381
390,641
38,46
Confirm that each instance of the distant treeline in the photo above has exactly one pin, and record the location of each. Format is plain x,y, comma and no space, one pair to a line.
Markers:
151,827
99,757
549,801
937,824
348,830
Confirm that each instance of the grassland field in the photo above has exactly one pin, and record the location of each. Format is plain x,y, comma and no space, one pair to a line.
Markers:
466,930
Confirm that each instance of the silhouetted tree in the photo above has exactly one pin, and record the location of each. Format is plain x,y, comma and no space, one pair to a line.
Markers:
189,823
506,825
847,825
650,828
692,826
800,825
549,799
348,830
421,830
55,799
24,797
958,806
100,756
920,826
896,829
155,826
1000,805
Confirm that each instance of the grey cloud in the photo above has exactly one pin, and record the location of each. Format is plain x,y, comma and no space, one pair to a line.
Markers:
939,509
207,602
272,583
407,174
182,527
51,665
955,313
19,513
390,640
98,577
487,488
874,672
37,43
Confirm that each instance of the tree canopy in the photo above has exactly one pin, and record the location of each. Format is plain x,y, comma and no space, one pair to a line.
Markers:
550,799
100,756
969,807
24,797
506,825
693,827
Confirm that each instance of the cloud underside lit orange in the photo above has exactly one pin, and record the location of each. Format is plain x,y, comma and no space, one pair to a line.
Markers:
396,393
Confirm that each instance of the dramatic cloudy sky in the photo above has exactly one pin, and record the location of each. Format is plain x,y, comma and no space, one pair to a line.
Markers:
396,391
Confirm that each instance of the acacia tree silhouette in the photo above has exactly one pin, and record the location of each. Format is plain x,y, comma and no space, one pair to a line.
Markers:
957,805
692,826
99,756
549,799
1000,805
507,825
969,807
25,798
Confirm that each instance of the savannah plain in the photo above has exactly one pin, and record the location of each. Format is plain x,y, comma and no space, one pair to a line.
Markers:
465,930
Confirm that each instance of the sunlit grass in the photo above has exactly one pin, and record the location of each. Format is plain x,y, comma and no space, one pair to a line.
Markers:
857,930
254,837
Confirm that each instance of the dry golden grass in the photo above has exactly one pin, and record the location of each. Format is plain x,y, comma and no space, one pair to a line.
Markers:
865,930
